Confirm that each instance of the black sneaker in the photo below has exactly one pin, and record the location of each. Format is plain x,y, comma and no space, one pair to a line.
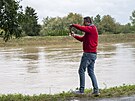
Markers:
78,92
96,93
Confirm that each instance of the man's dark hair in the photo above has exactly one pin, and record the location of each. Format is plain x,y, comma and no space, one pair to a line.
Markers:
88,19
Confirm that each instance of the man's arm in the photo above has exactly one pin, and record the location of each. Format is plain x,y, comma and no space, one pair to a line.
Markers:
81,28
79,38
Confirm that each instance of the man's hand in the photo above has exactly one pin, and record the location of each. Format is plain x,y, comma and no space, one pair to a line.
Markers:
71,25
72,33
70,29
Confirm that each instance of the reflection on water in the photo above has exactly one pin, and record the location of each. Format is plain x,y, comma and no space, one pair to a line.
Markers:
35,70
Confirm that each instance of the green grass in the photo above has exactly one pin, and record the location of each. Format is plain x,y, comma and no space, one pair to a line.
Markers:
117,38
64,40
125,90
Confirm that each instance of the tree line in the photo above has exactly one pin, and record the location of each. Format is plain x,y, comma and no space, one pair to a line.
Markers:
105,24
16,22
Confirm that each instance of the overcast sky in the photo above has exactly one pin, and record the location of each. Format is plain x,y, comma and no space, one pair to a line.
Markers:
118,9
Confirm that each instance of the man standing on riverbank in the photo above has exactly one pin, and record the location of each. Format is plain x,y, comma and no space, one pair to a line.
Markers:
90,43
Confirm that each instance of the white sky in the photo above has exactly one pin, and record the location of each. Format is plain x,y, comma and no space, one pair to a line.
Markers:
118,9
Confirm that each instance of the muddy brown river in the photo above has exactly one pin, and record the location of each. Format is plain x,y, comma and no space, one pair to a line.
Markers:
52,69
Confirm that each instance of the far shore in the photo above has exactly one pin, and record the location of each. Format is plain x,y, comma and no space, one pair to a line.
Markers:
64,40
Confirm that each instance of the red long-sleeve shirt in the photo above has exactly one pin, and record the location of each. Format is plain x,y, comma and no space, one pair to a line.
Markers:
90,38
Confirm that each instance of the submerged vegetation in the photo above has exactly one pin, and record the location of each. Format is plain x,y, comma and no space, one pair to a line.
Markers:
125,90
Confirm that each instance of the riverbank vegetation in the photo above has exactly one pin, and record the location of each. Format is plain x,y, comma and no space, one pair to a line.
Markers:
64,40
125,90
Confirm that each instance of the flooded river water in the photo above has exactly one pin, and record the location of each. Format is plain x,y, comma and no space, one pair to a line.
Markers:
35,70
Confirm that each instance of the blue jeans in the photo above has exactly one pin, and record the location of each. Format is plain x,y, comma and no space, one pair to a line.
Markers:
88,61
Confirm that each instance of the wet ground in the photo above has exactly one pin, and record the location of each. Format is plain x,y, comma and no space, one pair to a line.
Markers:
50,69
129,98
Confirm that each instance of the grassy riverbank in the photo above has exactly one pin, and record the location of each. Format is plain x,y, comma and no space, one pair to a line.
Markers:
64,40
125,90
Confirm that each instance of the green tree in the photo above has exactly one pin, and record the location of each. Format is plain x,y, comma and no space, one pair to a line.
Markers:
118,28
9,15
126,28
59,26
132,18
30,23
107,24
74,18
97,21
